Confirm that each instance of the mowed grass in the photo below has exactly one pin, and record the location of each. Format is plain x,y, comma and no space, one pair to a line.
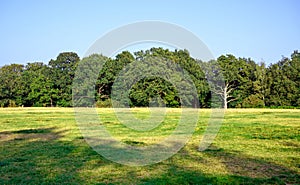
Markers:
253,146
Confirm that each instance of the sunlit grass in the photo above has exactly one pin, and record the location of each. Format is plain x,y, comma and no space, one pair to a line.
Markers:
254,146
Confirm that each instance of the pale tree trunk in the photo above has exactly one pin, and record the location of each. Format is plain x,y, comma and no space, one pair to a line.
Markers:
225,92
225,97
51,102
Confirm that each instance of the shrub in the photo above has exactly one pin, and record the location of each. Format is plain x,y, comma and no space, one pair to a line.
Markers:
253,101
104,103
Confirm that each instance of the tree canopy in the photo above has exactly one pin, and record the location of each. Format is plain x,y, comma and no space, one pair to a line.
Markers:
239,82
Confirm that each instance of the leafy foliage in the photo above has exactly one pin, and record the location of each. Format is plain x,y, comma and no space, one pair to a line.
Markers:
238,82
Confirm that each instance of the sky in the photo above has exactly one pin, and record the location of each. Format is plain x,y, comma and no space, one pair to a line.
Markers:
37,31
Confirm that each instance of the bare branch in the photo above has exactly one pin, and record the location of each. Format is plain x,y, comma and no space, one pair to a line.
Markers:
231,86
220,93
229,96
230,90
232,100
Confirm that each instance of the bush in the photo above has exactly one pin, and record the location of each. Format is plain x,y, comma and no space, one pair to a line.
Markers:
284,107
11,103
253,101
104,103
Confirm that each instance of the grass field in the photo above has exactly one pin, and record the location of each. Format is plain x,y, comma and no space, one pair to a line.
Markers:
254,146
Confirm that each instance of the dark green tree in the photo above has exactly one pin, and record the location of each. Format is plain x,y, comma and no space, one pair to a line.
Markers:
11,92
108,74
254,90
227,76
39,85
283,82
62,71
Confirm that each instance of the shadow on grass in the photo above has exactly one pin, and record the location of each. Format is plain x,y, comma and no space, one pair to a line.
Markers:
240,169
32,131
35,156
176,175
249,170
44,156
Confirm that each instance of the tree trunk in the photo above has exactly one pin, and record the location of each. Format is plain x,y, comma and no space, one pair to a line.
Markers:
225,97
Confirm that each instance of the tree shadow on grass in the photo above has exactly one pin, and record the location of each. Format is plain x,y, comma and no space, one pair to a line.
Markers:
44,156
177,175
240,170
245,169
256,168
35,156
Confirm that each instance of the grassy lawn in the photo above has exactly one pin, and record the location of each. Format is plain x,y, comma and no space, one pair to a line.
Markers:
254,146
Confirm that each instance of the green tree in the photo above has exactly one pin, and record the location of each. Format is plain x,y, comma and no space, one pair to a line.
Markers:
147,89
109,73
39,85
11,92
85,90
254,89
62,71
227,75
283,82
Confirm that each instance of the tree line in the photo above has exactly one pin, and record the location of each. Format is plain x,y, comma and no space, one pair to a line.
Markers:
245,83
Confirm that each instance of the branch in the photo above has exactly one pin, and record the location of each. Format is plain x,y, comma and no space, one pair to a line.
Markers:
230,89
230,86
222,89
232,100
220,93
104,96
100,88
229,96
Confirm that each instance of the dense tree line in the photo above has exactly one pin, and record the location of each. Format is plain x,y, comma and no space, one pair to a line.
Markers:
246,84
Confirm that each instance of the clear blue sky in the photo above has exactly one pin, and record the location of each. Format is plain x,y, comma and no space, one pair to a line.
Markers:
35,30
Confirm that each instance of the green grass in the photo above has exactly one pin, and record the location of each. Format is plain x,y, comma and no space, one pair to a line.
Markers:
254,146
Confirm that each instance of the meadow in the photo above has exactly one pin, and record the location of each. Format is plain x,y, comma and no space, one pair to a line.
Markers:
253,146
